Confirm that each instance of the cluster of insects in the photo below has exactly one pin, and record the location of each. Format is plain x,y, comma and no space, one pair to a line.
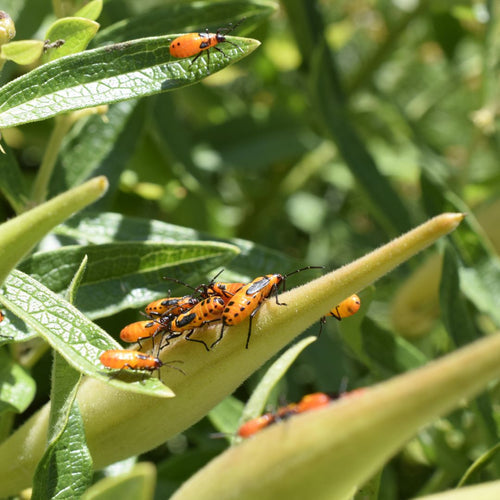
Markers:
224,302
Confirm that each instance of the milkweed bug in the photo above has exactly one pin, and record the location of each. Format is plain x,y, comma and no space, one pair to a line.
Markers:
1,316
256,424
206,311
141,330
194,44
124,359
172,306
248,299
307,403
127,359
346,308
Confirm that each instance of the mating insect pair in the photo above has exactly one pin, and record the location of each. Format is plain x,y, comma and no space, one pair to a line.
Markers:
307,403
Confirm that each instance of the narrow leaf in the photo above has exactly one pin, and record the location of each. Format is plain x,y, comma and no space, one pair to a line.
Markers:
65,470
79,341
124,275
257,402
138,484
108,227
109,74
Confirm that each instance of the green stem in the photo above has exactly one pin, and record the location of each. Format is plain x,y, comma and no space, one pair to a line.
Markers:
40,187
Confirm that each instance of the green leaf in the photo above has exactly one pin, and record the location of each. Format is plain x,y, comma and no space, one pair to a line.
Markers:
75,34
79,341
138,484
225,416
478,465
188,17
77,280
92,10
257,402
108,227
109,74
124,275
17,388
12,182
65,470
23,52
20,234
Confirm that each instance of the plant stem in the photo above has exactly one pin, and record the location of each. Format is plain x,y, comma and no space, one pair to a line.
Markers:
62,125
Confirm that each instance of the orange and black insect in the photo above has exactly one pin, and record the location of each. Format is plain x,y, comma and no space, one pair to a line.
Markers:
346,308
141,330
123,359
1,316
194,44
206,311
249,298
172,306
307,403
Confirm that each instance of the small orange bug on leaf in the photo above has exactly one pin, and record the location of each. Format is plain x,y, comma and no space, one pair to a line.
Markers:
125,359
194,44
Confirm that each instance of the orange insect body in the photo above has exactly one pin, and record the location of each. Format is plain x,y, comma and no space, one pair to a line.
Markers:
172,306
249,297
135,332
191,44
307,403
346,308
194,44
206,311
255,425
224,290
313,401
123,359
